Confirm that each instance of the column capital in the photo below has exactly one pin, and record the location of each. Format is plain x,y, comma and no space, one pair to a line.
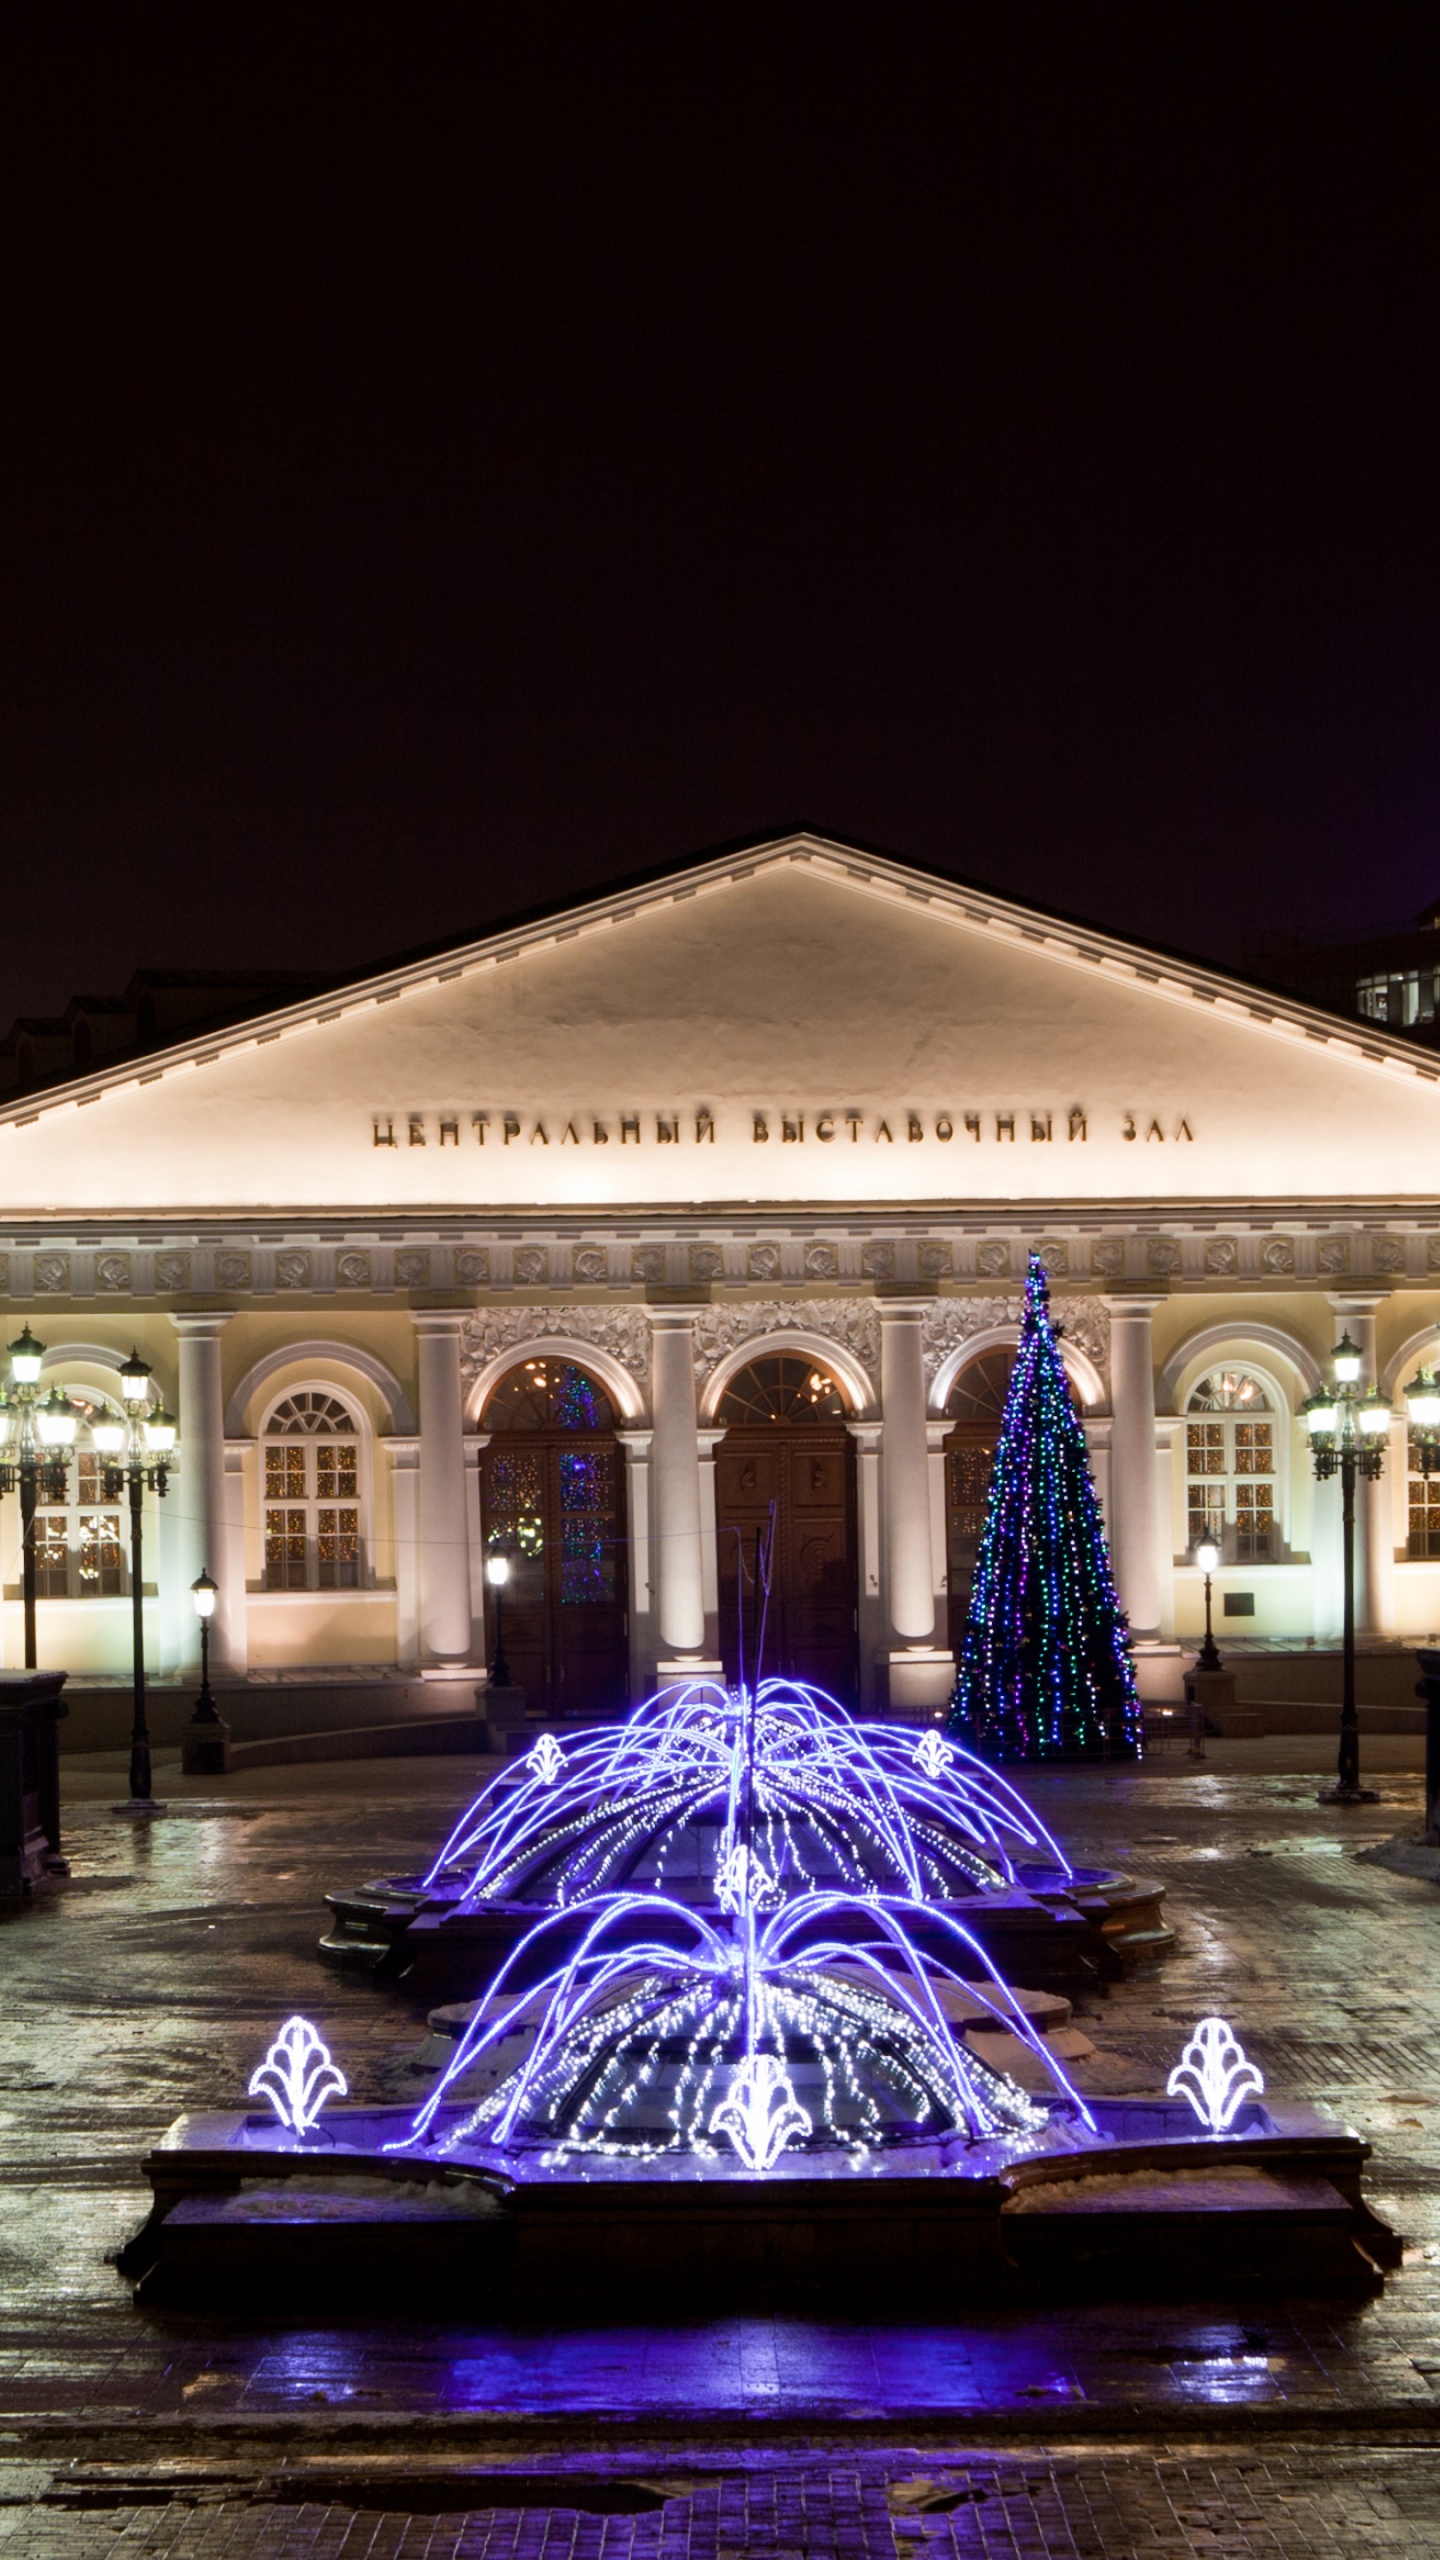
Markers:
674,1308
201,1324
1357,1302
1133,1302
909,1304
439,1320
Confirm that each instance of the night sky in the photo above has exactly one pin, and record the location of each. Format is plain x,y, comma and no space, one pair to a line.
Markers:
455,455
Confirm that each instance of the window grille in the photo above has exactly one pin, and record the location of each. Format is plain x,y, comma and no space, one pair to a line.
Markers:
79,1554
312,1496
1230,1466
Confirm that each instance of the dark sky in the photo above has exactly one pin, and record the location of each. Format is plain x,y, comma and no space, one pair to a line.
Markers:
455,454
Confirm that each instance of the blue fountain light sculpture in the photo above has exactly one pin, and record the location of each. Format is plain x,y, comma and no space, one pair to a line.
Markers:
797,2019
838,1805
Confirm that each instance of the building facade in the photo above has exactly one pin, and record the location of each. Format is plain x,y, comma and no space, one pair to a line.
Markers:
591,1241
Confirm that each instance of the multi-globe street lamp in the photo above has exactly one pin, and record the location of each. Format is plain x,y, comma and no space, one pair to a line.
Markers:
135,1457
1347,1424
36,1434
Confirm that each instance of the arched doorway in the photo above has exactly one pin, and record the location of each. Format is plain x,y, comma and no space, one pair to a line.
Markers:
553,1502
786,1442
974,1406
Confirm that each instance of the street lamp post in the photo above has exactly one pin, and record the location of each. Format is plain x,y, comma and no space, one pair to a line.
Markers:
36,1432
1347,1425
205,1750
497,1574
1207,1558
136,1456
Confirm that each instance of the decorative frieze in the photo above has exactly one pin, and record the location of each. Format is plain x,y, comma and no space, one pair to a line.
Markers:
52,1274
352,1270
112,1272
292,1269
173,1271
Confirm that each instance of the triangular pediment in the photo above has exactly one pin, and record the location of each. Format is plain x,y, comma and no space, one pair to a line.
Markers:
797,1021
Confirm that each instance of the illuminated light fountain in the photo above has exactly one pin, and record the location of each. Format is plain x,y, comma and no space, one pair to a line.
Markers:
841,1806
766,2100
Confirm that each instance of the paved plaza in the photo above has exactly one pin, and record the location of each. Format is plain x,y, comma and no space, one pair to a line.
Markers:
152,1981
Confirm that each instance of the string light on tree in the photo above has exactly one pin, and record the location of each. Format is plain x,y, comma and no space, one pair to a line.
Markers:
1045,1669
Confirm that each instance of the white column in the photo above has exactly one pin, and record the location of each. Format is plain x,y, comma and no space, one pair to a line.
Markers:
708,1442
1374,1541
474,1442
636,1445
239,1455
921,1672
679,1525
1134,1545
866,1436
444,1559
197,1501
404,1457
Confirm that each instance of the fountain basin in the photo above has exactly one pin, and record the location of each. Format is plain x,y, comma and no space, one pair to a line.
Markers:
245,2216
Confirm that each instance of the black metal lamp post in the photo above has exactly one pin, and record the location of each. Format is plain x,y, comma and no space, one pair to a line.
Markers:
1347,1427
204,1592
137,1454
35,1434
1207,1558
497,1574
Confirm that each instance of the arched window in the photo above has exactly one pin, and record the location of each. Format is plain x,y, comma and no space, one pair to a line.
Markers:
1231,1465
79,1550
312,1496
782,1388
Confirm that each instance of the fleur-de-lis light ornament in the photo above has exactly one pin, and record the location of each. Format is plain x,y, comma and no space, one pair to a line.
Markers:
546,1760
1216,2075
761,2113
933,1753
298,2076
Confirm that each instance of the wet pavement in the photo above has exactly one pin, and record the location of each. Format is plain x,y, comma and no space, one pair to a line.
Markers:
153,1980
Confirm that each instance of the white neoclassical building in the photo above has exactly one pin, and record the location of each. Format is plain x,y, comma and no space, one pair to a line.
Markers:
588,1241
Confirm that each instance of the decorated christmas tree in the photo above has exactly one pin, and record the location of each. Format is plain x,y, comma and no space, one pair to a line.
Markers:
1045,1670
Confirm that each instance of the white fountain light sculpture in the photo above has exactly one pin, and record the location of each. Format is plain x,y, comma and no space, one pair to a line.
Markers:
1216,2075
933,1753
547,1760
298,2077
761,2114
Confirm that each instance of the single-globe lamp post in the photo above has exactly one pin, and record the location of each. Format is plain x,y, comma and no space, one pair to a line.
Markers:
204,1593
138,1453
497,1574
205,1743
36,1434
1207,1558
1347,1426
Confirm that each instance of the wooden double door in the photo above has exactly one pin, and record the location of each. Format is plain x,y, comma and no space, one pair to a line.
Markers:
786,1444
553,1504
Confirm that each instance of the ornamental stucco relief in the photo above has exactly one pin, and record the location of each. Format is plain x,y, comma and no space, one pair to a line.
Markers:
852,1322
949,1322
622,1331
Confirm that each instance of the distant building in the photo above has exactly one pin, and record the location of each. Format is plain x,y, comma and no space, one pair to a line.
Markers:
1391,977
